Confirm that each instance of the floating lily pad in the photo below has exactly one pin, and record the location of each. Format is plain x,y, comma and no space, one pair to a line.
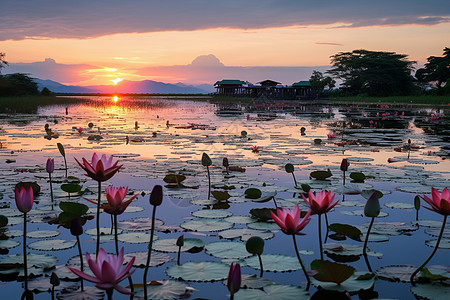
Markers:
240,219
205,271
444,243
157,259
361,213
89,293
43,234
212,214
193,245
395,273
274,263
399,205
51,245
138,224
205,202
244,234
331,272
8,244
227,250
431,291
135,237
166,289
251,281
207,225
276,291
353,284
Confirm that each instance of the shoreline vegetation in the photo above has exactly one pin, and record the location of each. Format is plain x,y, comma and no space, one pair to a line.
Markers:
29,104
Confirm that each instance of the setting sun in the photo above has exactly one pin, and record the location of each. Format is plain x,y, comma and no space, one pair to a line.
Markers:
115,99
117,80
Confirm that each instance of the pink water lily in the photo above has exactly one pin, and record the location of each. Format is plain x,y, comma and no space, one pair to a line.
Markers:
115,197
320,203
50,165
100,169
289,220
106,269
440,202
24,198
234,278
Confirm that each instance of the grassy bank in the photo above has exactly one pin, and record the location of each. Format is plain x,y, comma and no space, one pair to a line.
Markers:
423,99
29,104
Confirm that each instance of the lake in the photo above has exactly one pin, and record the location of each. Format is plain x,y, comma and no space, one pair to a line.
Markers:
154,137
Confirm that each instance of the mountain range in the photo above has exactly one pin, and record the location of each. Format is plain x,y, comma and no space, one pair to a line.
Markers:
126,86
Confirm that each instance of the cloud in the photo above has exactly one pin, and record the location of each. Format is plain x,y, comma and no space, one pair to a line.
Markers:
50,69
22,19
329,44
204,69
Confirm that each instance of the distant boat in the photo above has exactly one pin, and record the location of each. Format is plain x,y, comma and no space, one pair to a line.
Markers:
229,112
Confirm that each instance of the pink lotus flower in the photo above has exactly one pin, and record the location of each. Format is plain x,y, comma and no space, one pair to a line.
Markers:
115,197
321,202
289,220
440,202
24,198
255,149
106,271
234,278
101,169
80,129
50,166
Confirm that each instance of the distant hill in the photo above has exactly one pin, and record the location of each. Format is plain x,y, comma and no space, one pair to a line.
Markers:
57,87
136,87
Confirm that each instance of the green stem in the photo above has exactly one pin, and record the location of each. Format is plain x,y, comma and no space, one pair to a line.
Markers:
344,177
98,217
25,266
115,235
367,263
65,164
231,296
432,253
51,188
149,251
367,236
320,237
295,181
81,259
261,265
326,234
209,183
110,293
179,253
112,224
301,263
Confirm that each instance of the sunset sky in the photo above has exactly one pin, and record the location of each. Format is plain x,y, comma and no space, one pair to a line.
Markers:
201,41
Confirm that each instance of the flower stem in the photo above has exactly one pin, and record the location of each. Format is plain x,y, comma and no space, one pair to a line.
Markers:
209,183
98,218
301,263
25,267
344,178
110,293
326,222
261,265
115,235
149,251
51,188
295,181
179,253
65,164
320,237
367,236
81,260
432,253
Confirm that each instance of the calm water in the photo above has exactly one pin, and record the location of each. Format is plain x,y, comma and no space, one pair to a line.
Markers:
371,135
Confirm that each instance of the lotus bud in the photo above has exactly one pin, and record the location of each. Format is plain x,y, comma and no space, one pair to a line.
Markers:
54,279
417,202
372,207
225,162
344,164
289,168
180,241
75,227
206,161
24,198
156,196
234,278
50,167
255,245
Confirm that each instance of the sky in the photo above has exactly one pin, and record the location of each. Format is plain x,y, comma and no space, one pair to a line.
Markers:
91,42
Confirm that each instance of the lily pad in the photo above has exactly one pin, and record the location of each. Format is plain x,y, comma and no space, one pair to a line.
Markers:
251,281
328,271
212,214
43,234
135,237
138,224
166,289
205,271
206,225
227,250
276,291
244,234
431,291
193,245
157,259
353,284
274,263
396,273
444,243
51,245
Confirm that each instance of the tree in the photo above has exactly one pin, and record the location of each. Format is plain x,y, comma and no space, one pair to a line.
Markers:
376,73
437,69
17,84
3,62
319,82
